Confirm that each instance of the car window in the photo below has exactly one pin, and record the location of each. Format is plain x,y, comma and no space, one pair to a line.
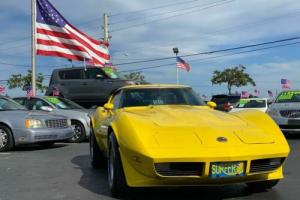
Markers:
251,103
93,73
9,104
116,100
160,96
288,97
70,74
36,104
62,103
20,101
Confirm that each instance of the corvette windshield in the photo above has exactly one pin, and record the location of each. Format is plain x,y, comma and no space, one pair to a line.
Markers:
7,104
160,96
288,97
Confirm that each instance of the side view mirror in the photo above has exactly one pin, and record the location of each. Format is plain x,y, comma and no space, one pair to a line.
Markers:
46,108
109,106
211,104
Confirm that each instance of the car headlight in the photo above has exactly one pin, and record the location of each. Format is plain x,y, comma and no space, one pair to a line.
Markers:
69,122
33,123
273,112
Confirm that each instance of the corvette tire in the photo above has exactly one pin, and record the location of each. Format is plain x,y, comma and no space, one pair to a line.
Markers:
97,158
116,177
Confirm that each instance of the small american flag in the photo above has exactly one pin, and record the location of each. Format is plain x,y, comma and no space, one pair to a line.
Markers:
2,89
270,93
285,84
256,92
180,63
55,91
29,92
245,94
57,37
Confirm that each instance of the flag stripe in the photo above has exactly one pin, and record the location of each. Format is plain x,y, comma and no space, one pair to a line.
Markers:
59,54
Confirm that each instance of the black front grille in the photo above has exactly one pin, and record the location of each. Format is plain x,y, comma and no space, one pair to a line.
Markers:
290,113
179,169
56,123
265,165
289,127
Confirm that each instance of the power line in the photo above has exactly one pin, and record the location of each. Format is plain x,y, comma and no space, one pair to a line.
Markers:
165,13
212,52
169,17
210,58
153,8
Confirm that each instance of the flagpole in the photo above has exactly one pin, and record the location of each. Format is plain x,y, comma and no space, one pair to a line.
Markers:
33,46
177,75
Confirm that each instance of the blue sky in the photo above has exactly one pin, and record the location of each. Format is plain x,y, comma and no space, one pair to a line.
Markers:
194,30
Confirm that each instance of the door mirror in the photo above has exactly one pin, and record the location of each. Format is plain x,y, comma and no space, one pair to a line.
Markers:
211,104
109,106
46,108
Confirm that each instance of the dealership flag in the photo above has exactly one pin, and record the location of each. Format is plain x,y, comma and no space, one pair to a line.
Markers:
29,92
270,93
180,63
285,84
57,37
245,94
256,93
2,89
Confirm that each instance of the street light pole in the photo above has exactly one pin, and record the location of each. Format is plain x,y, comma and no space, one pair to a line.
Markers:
176,51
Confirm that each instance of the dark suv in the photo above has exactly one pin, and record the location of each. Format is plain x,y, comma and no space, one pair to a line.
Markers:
86,86
225,102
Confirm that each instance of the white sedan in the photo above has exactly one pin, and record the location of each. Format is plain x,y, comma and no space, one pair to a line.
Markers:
260,104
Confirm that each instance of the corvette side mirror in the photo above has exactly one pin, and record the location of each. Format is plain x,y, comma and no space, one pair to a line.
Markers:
211,104
109,106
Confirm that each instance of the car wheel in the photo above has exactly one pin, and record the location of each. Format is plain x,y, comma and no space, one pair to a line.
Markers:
79,132
262,185
96,155
116,176
6,139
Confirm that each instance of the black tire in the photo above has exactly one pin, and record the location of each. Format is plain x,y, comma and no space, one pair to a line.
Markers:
6,139
97,158
116,177
47,143
79,132
262,185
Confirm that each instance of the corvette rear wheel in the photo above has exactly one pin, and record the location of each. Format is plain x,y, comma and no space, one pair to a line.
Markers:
96,155
262,185
116,177
6,139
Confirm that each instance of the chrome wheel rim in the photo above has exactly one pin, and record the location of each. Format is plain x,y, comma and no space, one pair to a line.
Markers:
111,171
3,138
77,132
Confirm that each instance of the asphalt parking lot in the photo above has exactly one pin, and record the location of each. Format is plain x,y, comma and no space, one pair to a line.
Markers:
64,172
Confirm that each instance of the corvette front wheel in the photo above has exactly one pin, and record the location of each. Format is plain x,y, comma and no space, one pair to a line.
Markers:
262,185
116,177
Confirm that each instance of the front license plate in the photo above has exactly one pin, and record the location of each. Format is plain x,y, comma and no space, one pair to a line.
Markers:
227,169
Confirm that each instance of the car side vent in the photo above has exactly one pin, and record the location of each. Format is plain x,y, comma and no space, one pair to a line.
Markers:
265,165
179,169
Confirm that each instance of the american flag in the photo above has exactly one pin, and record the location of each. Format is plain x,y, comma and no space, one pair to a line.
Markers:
285,84
256,93
57,37
29,92
55,91
180,63
245,94
270,93
2,89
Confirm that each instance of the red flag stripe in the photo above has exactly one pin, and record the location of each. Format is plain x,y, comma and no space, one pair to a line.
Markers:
62,45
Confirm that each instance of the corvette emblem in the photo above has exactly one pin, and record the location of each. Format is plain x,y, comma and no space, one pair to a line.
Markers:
222,139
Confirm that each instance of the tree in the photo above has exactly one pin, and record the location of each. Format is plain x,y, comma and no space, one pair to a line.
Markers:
20,81
137,77
235,76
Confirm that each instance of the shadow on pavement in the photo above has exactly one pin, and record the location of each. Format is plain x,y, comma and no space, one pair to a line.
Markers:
95,180
38,147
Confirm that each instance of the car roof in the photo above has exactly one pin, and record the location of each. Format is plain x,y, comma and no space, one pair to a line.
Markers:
146,86
256,98
74,68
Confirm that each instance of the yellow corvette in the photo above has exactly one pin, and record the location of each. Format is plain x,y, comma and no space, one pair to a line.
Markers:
164,135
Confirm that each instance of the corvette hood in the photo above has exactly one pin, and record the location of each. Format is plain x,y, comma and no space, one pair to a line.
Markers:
187,126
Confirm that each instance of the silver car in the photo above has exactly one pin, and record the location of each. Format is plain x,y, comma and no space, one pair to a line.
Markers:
80,120
19,126
286,111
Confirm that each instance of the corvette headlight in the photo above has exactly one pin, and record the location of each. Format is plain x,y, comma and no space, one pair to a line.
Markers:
33,123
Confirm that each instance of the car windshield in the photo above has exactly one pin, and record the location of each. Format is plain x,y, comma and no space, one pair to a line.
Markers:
8,104
111,73
160,96
288,97
251,103
62,103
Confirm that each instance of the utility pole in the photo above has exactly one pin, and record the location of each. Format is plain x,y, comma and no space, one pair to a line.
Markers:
33,47
105,28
